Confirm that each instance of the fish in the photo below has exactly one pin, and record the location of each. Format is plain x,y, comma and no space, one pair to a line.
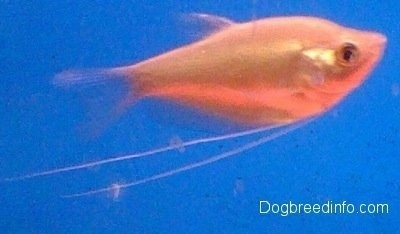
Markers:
264,72
277,73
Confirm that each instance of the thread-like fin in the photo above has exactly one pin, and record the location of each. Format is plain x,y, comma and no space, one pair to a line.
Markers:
148,153
274,135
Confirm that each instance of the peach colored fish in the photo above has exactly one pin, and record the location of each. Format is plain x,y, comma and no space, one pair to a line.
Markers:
274,70
265,73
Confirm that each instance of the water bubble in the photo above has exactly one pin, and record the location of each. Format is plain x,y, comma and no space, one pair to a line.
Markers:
238,186
115,191
395,89
177,143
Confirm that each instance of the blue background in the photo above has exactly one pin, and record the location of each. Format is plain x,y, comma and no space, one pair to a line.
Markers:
351,153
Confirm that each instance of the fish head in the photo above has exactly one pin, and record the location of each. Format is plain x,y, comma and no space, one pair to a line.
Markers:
344,57
336,60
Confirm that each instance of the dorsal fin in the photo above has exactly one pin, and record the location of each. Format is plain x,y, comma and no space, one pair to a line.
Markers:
216,22
206,24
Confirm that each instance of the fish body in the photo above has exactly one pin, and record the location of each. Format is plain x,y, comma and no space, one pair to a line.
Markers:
276,74
264,72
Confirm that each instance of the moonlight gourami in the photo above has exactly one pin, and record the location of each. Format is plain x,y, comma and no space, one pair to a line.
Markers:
273,73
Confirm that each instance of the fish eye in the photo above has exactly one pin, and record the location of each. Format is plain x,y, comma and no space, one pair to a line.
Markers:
347,54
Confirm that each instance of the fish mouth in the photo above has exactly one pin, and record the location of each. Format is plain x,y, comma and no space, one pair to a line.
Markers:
378,38
376,42
373,44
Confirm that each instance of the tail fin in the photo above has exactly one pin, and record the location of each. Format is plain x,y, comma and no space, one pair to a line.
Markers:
70,78
106,92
